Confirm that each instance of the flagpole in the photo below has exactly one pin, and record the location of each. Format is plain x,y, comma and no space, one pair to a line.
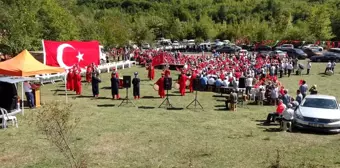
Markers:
65,86
22,98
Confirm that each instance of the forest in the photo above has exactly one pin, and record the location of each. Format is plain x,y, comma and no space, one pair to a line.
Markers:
24,23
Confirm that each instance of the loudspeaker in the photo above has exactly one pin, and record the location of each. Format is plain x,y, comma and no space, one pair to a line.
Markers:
167,83
126,81
242,83
196,85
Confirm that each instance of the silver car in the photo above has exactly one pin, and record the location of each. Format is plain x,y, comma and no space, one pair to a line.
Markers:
318,112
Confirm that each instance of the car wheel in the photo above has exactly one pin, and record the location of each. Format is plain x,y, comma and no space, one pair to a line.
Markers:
318,60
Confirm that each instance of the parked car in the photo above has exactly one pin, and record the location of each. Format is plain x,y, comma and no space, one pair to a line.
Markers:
312,52
227,49
296,53
334,50
325,57
318,112
285,47
312,46
146,46
262,48
278,53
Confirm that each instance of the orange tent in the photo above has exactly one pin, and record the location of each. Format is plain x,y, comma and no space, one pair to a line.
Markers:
25,64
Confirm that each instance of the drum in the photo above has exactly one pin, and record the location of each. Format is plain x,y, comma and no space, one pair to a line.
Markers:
176,86
155,87
329,72
187,83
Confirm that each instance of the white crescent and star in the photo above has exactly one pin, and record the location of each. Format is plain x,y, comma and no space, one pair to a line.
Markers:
60,52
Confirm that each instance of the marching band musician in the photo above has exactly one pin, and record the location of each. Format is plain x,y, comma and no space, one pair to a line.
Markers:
77,80
74,81
192,79
95,84
136,89
182,83
114,86
89,73
160,83
69,80
151,72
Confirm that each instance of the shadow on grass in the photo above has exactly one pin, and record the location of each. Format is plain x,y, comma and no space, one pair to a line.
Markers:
146,107
221,100
104,98
68,94
219,105
106,88
145,80
106,105
173,95
221,109
272,130
150,97
81,96
175,108
219,96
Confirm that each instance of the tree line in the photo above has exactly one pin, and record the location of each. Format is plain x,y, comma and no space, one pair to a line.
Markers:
24,23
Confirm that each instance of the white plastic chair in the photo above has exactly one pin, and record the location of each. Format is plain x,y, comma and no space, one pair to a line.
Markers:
6,118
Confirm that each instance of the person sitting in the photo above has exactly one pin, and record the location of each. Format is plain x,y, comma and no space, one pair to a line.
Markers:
233,100
218,84
313,90
279,110
288,116
211,81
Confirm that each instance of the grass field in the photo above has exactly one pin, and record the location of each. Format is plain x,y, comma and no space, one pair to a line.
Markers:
130,137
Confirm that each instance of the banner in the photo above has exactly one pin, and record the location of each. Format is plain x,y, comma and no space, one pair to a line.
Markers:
69,53
158,60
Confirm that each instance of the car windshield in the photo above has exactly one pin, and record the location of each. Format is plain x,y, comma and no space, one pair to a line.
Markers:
299,51
320,103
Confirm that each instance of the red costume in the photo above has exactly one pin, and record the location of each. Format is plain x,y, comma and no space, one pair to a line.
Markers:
151,72
160,83
192,79
77,79
89,74
167,73
69,80
182,83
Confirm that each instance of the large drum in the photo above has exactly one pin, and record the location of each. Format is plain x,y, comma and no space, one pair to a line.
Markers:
120,83
155,87
329,72
176,86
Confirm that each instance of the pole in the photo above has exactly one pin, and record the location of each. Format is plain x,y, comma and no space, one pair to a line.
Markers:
22,98
66,87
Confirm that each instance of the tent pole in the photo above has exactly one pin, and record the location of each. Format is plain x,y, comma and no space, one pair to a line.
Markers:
66,87
22,98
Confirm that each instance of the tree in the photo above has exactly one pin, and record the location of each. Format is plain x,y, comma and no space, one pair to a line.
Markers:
320,23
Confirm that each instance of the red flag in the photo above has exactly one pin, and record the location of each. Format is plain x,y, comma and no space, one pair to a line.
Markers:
69,53
158,60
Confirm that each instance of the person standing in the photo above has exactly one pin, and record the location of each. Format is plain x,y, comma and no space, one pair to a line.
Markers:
299,97
69,80
289,68
249,85
160,83
29,95
88,73
74,79
303,89
136,89
333,65
114,86
95,84
77,78
151,72
182,83
309,66
192,80
328,66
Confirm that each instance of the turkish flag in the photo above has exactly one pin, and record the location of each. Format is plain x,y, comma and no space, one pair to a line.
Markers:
69,53
158,60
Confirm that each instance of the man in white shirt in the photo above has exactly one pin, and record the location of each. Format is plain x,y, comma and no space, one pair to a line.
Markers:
249,84
328,67
29,94
289,68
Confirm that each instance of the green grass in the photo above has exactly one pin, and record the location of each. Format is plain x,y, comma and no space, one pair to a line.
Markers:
130,137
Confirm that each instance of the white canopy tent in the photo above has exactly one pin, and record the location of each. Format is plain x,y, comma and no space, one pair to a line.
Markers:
15,80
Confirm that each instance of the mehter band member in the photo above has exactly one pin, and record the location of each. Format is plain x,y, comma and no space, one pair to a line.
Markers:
160,83
136,89
77,78
114,86
95,84
182,83
69,80
151,72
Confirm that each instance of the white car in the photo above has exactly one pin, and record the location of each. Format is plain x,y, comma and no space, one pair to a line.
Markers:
280,54
318,112
313,47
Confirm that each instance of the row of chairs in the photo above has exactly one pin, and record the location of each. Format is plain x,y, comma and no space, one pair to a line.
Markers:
7,118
